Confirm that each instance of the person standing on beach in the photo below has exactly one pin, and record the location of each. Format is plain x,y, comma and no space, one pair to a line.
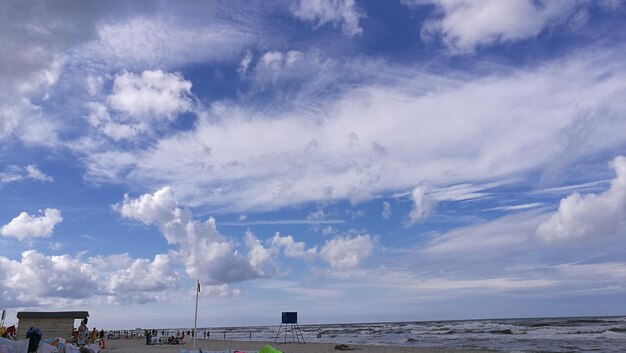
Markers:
148,336
83,332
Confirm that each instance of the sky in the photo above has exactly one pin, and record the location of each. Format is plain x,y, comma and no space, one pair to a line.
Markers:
354,161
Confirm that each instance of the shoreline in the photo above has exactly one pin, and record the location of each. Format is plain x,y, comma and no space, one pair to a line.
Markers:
139,346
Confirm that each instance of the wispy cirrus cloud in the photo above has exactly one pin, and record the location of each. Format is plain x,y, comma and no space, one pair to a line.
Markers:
374,139
14,173
146,41
343,13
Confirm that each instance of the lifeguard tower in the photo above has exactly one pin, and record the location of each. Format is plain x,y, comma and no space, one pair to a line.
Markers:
290,321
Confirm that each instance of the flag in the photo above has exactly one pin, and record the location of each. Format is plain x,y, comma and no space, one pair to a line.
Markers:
198,286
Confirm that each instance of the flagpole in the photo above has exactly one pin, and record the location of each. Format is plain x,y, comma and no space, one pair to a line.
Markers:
195,322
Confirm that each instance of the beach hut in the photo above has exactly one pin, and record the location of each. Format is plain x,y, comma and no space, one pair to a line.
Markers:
52,323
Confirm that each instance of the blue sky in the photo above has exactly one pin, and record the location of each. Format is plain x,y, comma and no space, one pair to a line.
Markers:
355,161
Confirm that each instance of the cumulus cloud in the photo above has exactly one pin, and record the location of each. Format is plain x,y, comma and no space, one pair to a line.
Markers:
466,24
138,103
424,205
151,95
347,252
337,12
36,39
590,216
291,248
110,126
205,253
131,280
26,226
37,279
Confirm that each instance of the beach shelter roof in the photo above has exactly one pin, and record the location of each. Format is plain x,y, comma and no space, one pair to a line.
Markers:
52,314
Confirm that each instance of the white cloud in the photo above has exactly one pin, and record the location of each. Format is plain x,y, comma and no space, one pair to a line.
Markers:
37,279
386,210
55,246
467,24
423,204
152,95
35,40
347,252
258,256
466,191
14,173
495,239
36,174
337,12
144,41
136,280
138,103
314,66
26,122
589,216
222,290
291,248
517,207
205,253
100,118
44,279
273,60
245,63
26,226
154,208
382,138
316,219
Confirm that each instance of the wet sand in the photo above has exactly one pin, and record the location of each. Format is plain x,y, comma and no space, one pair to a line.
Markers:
139,346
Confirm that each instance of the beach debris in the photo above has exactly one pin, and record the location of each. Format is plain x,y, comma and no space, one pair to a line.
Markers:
343,347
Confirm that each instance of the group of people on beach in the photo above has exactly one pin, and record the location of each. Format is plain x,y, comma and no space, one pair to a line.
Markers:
152,337
8,332
82,336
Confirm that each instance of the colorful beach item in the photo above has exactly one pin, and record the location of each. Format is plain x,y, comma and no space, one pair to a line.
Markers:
269,349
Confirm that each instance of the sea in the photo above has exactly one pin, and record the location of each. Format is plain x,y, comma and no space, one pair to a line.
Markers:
573,334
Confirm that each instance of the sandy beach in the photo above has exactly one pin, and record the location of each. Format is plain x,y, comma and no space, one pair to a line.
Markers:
139,346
